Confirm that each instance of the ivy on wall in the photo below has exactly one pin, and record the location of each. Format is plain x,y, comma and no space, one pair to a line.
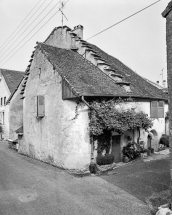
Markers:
112,116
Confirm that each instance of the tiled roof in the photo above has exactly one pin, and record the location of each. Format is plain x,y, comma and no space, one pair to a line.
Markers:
139,86
12,78
88,80
83,77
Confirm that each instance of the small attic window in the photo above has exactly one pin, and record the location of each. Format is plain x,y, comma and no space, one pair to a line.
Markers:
40,106
115,77
127,88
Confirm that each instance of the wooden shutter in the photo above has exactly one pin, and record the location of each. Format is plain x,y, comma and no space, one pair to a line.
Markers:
161,109
154,109
40,106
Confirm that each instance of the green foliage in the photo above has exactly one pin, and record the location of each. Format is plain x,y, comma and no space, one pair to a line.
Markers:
167,115
111,115
104,142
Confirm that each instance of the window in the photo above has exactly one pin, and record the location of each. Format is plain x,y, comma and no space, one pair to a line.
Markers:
157,109
40,106
4,100
1,101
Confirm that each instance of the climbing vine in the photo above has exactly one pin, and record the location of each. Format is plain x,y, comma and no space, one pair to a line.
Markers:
113,116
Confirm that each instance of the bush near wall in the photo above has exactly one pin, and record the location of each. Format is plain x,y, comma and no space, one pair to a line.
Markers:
104,160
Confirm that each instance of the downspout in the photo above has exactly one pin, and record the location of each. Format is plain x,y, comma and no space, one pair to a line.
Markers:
91,136
92,163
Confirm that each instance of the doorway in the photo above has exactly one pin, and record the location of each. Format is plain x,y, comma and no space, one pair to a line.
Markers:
116,148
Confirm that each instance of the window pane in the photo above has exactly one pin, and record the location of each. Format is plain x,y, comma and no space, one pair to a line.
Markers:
154,104
40,106
160,112
154,109
161,104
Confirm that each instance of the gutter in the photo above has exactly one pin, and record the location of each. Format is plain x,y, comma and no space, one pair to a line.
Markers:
92,166
91,136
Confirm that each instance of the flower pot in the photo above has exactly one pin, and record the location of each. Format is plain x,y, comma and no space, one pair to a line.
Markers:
92,168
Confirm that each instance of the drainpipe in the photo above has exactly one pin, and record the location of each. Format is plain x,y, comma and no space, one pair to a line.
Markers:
92,166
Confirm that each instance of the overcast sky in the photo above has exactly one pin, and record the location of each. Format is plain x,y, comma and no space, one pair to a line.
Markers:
138,42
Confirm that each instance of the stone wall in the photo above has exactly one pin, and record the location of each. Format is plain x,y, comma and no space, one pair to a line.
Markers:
15,114
57,138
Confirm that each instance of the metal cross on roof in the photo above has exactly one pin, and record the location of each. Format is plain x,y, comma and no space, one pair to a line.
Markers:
61,10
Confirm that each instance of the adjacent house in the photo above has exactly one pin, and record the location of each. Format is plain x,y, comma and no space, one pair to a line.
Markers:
9,80
66,73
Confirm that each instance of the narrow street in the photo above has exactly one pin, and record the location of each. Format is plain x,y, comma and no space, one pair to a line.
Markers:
142,179
30,187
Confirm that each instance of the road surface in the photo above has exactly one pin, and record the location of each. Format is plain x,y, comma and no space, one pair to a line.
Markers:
30,187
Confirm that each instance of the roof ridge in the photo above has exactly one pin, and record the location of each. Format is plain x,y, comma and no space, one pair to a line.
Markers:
52,32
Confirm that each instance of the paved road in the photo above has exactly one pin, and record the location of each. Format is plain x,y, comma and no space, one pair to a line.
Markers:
30,187
142,179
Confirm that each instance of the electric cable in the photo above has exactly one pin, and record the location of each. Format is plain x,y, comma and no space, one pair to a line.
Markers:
123,20
30,32
23,21
89,37
27,28
34,34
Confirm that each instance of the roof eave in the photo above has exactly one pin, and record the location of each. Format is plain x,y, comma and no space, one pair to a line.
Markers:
138,97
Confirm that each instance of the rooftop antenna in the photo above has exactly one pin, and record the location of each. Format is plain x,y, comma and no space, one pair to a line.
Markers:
162,71
63,15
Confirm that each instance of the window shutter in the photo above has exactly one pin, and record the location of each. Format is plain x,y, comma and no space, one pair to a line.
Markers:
161,109
154,109
40,106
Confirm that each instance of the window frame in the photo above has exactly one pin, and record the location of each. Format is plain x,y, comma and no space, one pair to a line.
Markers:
156,110
40,107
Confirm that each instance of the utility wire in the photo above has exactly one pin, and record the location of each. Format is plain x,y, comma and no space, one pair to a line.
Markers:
30,32
123,20
34,34
27,27
93,35
22,22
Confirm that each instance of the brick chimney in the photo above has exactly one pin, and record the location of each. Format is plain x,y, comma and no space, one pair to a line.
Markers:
164,83
78,30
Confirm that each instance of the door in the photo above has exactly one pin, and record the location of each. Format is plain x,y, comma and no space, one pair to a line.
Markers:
116,148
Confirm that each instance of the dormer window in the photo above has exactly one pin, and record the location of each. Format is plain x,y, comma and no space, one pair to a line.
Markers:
115,77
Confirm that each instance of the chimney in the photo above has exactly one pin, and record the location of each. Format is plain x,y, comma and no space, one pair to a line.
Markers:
157,82
78,30
164,83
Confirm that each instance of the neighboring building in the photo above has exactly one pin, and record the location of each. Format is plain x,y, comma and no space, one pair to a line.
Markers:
66,73
9,79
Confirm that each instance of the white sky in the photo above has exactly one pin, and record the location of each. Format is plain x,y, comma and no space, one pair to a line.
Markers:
139,42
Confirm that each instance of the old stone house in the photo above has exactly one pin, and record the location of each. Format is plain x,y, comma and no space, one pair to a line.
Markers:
9,80
65,72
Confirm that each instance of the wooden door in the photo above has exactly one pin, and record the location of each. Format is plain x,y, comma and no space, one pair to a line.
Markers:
116,148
